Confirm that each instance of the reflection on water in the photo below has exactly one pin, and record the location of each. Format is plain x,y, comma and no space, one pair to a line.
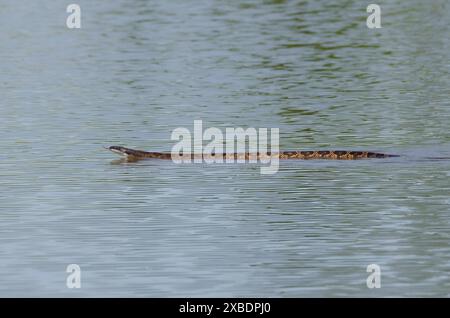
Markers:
137,70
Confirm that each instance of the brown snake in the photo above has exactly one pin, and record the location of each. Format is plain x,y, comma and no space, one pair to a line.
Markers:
133,155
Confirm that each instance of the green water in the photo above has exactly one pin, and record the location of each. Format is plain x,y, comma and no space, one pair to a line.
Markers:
138,69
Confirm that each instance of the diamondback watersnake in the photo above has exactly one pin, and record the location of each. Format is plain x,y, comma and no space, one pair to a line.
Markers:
133,154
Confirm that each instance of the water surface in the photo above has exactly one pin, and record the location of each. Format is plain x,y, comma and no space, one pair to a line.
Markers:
138,69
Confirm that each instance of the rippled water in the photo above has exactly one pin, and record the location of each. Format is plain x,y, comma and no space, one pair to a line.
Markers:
138,69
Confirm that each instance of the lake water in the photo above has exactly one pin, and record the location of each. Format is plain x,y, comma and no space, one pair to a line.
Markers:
138,69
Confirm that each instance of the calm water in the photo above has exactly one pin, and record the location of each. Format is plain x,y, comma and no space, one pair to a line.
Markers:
138,69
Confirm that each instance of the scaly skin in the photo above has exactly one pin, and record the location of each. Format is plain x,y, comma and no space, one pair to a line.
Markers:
133,154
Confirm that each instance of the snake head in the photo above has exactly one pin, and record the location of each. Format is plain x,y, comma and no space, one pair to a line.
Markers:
119,150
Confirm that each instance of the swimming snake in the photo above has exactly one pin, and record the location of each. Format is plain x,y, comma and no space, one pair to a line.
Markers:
134,155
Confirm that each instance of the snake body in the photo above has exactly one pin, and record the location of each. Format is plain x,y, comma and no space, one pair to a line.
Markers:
133,154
